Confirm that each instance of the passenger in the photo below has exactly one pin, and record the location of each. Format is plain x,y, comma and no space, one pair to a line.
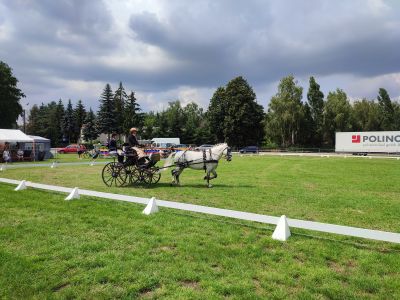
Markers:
113,149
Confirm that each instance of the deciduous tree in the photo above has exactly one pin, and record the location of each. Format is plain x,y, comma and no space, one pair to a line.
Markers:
386,110
286,112
10,95
244,116
337,115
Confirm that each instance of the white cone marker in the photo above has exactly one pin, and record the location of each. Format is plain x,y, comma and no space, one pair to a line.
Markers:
73,195
21,186
282,231
151,207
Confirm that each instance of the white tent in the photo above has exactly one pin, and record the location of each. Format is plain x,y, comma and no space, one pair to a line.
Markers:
13,136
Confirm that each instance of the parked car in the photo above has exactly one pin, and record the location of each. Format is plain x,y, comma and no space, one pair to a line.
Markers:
73,148
249,149
204,147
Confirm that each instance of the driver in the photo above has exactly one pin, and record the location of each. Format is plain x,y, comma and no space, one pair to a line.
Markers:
134,144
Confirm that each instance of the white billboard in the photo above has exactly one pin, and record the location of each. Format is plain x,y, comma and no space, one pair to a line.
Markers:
371,141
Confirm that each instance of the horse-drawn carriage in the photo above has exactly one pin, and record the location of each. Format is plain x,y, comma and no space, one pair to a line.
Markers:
133,169
137,167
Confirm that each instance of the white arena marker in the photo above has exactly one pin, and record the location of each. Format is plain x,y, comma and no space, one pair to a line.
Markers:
73,195
92,163
282,231
53,165
151,207
3,168
21,186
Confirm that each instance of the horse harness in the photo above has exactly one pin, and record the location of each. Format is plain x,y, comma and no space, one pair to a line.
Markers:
186,164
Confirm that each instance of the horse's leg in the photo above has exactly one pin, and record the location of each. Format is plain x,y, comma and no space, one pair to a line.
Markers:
214,174
208,177
174,172
177,176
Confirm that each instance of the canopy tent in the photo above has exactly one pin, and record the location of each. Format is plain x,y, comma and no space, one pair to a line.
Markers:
14,136
42,147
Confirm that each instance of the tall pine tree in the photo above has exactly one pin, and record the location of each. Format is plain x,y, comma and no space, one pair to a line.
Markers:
132,115
80,115
89,128
60,113
120,99
69,123
106,115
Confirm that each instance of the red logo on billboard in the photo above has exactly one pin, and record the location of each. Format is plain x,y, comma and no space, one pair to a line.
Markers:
356,139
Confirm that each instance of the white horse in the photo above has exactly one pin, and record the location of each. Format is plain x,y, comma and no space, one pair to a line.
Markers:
206,160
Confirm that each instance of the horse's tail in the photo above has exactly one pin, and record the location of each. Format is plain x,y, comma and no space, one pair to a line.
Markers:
169,161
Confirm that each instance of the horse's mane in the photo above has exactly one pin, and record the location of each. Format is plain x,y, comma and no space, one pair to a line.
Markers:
219,144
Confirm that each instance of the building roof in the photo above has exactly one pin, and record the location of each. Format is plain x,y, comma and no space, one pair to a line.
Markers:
38,138
14,135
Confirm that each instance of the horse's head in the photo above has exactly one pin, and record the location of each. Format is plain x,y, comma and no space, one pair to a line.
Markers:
228,153
222,150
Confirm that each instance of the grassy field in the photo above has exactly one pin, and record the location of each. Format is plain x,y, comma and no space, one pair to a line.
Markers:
354,192
93,248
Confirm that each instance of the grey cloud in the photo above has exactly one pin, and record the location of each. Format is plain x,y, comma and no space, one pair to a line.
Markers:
79,26
268,40
211,41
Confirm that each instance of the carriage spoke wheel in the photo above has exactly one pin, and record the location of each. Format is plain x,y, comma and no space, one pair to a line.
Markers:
133,174
114,174
151,176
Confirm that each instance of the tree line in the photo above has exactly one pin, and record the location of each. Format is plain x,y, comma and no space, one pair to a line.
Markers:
233,115
313,123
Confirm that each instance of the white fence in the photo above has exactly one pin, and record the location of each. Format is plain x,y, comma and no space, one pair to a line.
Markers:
322,227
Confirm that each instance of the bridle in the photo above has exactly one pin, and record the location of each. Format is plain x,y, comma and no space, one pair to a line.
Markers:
228,153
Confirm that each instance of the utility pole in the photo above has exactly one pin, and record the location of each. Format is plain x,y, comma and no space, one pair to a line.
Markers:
24,120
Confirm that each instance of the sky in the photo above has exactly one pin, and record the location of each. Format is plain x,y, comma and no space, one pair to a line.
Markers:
166,50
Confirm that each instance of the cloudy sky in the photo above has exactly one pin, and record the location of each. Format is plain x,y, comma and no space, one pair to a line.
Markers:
169,49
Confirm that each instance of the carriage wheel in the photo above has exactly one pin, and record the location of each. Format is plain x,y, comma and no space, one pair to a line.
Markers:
133,174
151,176
114,174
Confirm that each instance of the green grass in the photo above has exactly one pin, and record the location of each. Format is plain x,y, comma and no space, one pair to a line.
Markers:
354,192
61,158
96,248
93,248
